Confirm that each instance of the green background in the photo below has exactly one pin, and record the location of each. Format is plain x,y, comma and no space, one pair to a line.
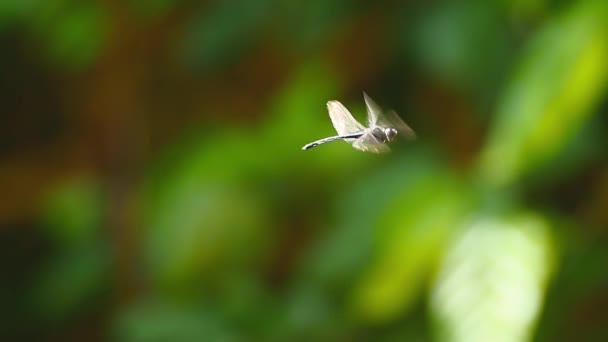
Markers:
154,187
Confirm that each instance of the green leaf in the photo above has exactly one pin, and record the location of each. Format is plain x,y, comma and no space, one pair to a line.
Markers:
221,33
73,34
493,279
205,212
159,321
411,230
71,281
12,11
72,212
201,227
553,94
463,43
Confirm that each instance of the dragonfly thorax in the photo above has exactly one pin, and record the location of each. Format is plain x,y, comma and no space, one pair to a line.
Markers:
391,133
384,134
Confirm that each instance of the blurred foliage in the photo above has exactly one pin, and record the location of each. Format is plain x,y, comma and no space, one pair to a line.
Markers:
551,96
169,198
73,212
491,283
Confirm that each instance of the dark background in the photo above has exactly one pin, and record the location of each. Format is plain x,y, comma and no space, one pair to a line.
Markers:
153,186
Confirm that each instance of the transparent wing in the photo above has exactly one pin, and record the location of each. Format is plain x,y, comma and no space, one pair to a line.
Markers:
393,120
369,143
375,117
342,119
373,111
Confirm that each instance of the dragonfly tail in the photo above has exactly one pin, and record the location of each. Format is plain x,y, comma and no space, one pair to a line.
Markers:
330,139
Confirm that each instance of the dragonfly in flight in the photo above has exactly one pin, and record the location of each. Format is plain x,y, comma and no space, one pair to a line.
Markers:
374,138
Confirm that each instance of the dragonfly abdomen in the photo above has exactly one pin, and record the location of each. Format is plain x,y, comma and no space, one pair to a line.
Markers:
330,139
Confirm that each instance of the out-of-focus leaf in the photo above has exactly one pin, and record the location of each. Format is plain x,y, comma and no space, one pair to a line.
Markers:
492,282
72,212
12,10
203,209
152,321
74,33
340,257
71,280
220,34
521,9
552,95
308,314
305,24
463,43
246,303
411,230
386,242
202,227
297,116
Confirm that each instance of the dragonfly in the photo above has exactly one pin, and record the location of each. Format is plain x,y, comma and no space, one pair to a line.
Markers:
381,127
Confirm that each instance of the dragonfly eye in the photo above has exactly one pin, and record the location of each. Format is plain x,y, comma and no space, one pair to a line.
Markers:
390,133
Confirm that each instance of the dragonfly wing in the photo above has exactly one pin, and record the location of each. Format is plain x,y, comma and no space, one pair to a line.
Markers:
342,119
393,120
373,111
376,117
369,143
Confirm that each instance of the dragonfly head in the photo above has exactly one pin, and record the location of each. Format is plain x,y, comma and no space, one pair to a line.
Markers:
390,133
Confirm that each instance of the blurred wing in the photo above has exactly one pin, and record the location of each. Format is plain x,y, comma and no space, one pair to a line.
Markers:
375,118
342,119
393,120
369,143
373,111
